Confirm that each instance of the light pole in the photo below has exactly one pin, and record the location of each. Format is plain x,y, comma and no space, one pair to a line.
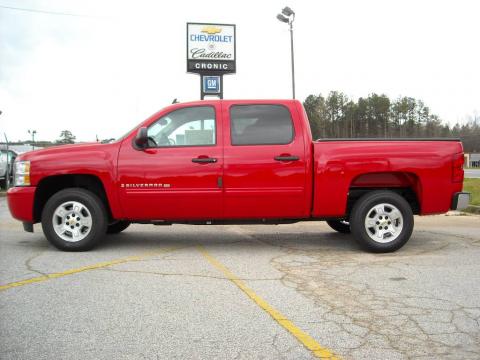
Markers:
33,132
288,16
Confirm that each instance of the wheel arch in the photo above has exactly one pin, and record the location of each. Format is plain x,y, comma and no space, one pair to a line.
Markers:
405,184
50,185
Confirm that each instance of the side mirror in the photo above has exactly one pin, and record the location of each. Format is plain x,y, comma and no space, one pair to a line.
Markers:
141,140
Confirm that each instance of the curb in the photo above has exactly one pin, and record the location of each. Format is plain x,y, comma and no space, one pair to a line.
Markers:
472,209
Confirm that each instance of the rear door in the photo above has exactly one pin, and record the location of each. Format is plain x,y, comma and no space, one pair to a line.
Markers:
264,161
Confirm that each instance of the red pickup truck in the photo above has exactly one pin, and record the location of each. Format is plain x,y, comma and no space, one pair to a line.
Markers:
228,161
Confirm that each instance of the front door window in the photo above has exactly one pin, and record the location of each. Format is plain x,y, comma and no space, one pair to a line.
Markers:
194,126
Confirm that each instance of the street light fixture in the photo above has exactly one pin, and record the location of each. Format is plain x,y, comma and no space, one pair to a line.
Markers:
287,11
288,16
282,18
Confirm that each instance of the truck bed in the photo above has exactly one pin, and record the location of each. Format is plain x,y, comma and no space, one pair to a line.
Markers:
424,166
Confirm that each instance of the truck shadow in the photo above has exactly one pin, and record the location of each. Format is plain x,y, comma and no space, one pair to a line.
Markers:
283,239
135,241
311,241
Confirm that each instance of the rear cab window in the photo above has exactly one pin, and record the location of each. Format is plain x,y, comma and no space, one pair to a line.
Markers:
260,125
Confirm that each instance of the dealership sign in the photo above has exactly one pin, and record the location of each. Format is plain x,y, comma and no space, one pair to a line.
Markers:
210,48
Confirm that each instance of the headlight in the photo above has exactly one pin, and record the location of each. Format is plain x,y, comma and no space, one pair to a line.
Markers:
22,173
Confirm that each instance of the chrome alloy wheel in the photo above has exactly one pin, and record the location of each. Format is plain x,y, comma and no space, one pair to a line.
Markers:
384,223
72,221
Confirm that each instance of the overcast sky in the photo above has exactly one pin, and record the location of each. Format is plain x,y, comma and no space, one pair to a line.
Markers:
102,73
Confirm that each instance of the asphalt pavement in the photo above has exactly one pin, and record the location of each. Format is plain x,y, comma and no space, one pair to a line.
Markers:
472,173
242,292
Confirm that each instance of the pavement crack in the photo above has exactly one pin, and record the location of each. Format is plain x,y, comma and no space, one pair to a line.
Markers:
406,325
28,264
186,275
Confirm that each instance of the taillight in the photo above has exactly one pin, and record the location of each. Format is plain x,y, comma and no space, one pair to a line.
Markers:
457,174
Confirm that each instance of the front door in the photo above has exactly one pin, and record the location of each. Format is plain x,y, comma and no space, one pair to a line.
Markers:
178,176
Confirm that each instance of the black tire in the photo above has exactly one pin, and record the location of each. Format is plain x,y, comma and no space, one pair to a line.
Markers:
117,227
341,226
364,207
97,214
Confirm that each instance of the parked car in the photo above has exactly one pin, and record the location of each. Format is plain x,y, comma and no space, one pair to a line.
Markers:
4,169
226,162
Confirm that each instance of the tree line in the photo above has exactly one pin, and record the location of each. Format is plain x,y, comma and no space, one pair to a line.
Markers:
378,116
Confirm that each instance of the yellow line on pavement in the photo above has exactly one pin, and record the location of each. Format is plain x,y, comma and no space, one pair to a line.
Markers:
307,341
84,268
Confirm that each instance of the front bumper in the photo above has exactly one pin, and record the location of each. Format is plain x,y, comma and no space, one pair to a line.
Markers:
460,200
20,202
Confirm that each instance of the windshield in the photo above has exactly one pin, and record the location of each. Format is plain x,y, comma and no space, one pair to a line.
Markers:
120,137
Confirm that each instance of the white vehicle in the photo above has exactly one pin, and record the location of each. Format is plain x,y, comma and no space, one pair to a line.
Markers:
3,166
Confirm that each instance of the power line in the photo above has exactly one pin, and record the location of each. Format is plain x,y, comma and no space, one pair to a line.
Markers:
46,12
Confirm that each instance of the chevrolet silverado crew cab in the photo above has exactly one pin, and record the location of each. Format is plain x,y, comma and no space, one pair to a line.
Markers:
226,162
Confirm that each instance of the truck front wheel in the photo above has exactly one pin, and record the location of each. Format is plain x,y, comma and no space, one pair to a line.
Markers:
381,221
74,219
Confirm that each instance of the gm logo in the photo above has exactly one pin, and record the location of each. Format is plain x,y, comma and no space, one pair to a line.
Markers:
211,84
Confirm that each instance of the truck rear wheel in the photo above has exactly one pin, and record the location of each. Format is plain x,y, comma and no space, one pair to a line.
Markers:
381,221
74,219
342,226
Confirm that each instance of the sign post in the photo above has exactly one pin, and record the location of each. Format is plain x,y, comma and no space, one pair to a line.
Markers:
211,54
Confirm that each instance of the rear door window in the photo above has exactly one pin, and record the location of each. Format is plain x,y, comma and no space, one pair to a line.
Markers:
260,125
